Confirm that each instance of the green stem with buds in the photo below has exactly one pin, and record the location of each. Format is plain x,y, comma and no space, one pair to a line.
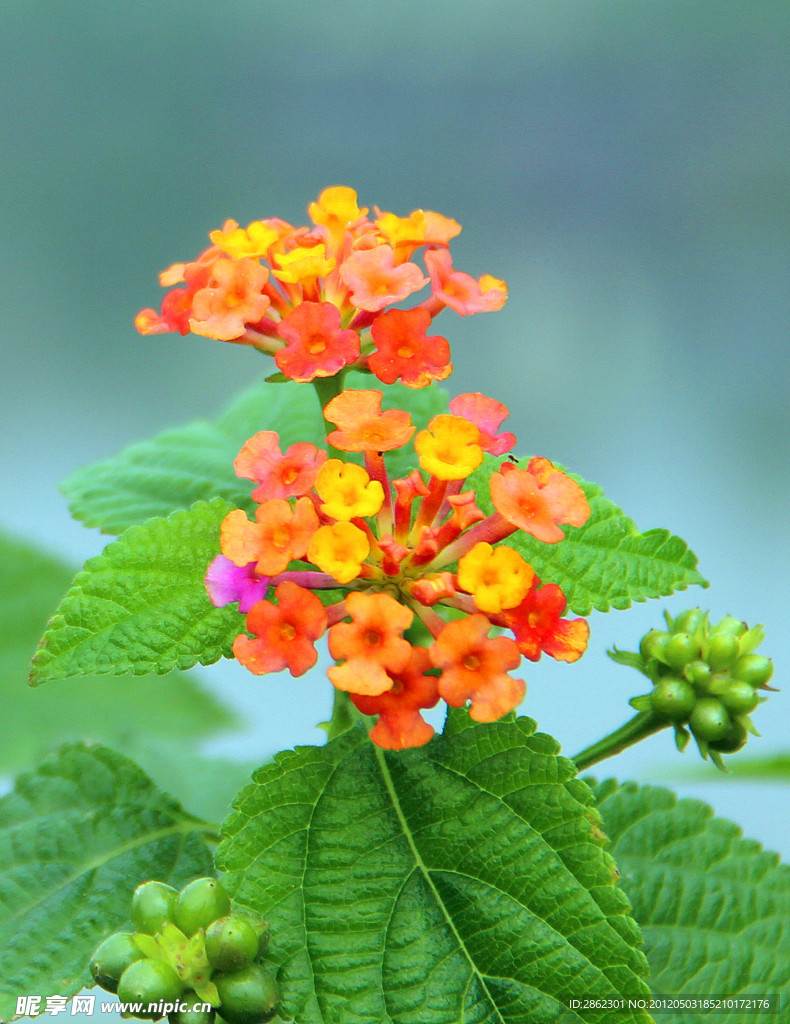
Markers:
638,728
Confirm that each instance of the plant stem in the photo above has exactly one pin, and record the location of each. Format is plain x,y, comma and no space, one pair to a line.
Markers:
342,715
327,388
638,728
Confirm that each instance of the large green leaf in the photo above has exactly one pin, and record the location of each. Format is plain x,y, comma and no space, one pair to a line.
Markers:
607,563
31,584
714,908
141,605
195,462
76,836
462,882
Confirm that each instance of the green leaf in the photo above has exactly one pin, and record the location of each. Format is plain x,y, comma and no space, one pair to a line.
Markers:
607,563
465,881
31,584
714,908
141,605
76,837
195,462
191,463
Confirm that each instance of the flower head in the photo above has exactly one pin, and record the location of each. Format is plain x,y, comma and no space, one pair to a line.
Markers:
272,282
386,552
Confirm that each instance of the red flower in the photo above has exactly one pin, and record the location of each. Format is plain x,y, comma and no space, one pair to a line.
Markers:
538,625
404,351
400,723
284,633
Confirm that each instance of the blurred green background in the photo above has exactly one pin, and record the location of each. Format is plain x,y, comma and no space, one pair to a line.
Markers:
625,166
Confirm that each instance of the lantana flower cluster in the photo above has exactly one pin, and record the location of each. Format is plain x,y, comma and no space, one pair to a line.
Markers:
389,554
318,298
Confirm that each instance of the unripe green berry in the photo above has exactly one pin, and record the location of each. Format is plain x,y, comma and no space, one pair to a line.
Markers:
153,903
733,740
681,649
738,697
653,644
709,719
723,651
729,624
753,669
112,958
673,698
149,981
248,996
698,674
689,621
200,903
194,1013
231,943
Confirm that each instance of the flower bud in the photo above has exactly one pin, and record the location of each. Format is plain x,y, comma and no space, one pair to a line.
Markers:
153,903
739,697
149,981
680,649
112,958
231,943
723,651
673,698
248,996
200,903
653,645
753,669
709,719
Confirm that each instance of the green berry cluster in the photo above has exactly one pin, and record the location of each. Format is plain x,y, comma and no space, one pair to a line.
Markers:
705,679
189,950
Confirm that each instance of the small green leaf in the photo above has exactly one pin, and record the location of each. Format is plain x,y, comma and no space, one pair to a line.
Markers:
76,837
141,605
465,881
31,584
607,563
714,907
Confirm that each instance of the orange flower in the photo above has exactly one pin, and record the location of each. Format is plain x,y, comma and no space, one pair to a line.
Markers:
317,347
375,281
539,498
363,427
279,535
474,668
285,632
487,415
278,476
372,643
461,292
404,351
539,627
400,723
231,299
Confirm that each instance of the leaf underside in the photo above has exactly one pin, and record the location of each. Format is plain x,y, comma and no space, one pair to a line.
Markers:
462,882
714,907
76,837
